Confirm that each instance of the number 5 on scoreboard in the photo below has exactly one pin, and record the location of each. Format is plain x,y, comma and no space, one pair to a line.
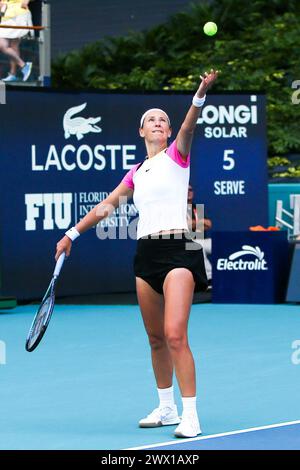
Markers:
229,162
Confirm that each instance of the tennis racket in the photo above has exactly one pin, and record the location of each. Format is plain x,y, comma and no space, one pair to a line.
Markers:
43,315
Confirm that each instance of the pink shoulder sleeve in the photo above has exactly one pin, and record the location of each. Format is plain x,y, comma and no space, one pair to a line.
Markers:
174,153
128,178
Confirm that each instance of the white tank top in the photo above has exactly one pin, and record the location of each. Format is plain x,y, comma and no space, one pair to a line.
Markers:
160,187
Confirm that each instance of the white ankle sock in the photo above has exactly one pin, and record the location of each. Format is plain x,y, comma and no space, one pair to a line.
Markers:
166,397
189,405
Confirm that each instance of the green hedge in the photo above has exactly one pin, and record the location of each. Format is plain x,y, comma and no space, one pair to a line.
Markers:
257,47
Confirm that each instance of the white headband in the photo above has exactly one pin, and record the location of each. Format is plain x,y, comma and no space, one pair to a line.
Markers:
153,109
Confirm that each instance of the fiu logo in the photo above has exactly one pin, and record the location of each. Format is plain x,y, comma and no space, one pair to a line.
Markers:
79,126
236,263
54,208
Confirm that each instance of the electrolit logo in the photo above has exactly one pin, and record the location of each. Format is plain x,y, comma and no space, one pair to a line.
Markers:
235,261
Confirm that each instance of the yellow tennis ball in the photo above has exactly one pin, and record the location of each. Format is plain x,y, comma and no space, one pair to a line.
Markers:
210,28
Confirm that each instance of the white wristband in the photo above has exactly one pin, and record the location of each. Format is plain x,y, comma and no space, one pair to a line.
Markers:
198,102
72,233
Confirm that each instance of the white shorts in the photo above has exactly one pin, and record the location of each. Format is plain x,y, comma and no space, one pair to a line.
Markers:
20,20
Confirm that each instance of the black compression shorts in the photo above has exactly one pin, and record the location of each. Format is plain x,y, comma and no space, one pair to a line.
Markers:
155,257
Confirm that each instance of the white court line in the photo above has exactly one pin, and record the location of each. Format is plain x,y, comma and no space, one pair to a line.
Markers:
212,436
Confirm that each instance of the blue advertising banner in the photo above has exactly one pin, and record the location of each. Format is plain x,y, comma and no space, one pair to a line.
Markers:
250,267
229,171
62,153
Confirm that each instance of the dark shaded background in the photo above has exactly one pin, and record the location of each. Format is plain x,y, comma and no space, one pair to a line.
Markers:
77,22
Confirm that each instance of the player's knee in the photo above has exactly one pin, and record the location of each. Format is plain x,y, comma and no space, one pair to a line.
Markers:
156,342
176,340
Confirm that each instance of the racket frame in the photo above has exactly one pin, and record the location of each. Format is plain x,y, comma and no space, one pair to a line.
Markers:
50,294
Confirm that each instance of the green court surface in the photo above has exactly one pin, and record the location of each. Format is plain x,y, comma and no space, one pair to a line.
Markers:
90,380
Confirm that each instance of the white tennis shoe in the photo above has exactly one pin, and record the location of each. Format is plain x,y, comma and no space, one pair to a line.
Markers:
160,417
189,426
10,78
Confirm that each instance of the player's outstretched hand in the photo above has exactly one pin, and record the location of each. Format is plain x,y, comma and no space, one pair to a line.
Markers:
64,245
206,82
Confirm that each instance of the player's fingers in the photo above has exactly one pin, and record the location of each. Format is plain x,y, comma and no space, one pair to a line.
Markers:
68,250
57,254
59,250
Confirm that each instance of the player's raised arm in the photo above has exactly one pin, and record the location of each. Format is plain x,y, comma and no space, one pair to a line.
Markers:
186,132
99,212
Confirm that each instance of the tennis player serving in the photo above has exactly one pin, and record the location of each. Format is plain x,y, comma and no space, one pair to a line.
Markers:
167,273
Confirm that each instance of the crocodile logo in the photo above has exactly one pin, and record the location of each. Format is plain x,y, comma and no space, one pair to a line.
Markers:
79,126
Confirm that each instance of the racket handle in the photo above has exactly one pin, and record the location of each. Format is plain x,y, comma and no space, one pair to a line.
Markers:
59,264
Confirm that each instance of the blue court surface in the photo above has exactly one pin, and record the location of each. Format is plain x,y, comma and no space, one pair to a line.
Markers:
282,436
90,380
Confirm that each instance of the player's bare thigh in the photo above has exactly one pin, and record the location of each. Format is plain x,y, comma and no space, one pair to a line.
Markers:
178,287
152,308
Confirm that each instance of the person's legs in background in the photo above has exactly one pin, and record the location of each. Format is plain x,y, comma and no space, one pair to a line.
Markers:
11,48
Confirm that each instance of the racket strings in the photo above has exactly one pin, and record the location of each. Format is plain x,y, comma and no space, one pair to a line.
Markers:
40,322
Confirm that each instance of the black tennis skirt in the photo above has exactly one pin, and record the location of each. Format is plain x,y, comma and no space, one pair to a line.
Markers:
155,257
